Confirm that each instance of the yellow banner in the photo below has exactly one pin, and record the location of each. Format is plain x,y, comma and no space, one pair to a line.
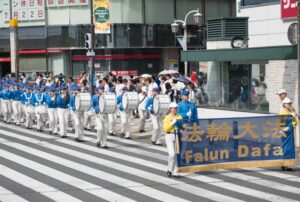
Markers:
101,16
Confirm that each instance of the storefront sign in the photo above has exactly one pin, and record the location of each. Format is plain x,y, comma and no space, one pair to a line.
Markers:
289,9
101,16
61,3
210,144
126,73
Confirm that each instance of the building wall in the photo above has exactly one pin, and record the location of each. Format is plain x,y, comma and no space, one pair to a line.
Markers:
266,28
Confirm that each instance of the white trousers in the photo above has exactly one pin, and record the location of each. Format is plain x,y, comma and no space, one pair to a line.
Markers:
111,122
52,114
125,125
87,122
17,111
1,110
39,119
78,125
6,105
28,116
142,115
63,118
172,160
156,133
102,132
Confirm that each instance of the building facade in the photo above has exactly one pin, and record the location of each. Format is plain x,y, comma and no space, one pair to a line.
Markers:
51,34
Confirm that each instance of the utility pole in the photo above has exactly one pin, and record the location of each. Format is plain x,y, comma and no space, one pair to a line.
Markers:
91,52
13,36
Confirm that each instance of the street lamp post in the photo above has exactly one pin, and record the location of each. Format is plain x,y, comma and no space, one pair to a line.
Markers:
175,28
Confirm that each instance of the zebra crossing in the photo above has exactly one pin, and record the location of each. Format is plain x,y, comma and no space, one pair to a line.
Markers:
36,166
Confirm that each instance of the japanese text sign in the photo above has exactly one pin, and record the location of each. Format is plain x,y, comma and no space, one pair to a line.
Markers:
289,9
234,143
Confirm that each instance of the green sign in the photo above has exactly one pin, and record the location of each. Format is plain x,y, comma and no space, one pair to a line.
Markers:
101,14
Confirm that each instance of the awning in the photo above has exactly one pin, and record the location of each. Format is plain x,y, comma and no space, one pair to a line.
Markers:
7,59
245,54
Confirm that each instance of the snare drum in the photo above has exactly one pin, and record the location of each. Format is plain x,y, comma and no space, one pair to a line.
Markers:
82,102
107,103
41,109
161,104
130,100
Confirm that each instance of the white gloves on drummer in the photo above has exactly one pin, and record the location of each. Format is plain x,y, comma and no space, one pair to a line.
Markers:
189,113
174,121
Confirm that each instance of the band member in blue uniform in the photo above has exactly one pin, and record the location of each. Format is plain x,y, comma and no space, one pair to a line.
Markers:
125,125
16,103
27,107
63,100
51,102
77,115
156,119
6,102
101,120
38,100
187,110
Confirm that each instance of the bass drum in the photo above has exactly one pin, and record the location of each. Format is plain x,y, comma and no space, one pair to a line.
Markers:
130,100
107,103
161,104
82,102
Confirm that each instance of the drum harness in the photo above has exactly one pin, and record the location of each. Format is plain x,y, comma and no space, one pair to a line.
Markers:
39,100
28,99
143,99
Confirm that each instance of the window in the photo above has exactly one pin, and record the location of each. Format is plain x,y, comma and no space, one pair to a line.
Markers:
255,2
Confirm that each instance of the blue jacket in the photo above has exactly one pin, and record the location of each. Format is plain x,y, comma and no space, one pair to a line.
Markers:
38,99
149,104
72,103
16,95
51,103
96,103
26,98
119,102
184,107
62,103
7,95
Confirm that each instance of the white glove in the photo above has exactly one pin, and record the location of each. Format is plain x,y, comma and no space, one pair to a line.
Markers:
53,98
174,121
189,113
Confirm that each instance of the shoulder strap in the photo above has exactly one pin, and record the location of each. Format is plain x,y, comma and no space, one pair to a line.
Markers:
143,99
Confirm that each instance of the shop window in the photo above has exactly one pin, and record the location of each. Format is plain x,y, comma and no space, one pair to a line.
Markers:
256,2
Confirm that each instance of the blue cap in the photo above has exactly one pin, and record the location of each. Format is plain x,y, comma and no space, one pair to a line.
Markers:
125,88
61,88
5,85
86,88
112,89
185,92
155,89
29,88
37,88
101,87
52,89
46,88
75,87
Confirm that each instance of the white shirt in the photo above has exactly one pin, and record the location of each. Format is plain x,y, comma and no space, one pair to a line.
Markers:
142,105
150,88
119,88
106,88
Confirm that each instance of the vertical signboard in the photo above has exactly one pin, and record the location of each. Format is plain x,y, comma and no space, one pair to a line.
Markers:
101,16
289,9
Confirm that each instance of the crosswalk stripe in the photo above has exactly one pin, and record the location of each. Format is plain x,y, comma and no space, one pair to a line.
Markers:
138,187
275,174
169,182
8,196
85,186
260,181
37,186
239,189
124,157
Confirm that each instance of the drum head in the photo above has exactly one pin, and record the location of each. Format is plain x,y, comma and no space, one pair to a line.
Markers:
77,102
125,100
156,104
101,103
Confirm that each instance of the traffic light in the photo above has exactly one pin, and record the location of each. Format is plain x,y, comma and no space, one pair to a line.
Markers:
88,41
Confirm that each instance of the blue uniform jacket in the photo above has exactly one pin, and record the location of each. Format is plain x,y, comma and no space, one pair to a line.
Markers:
184,107
119,102
72,103
7,95
96,103
149,104
51,103
38,99
26,98
16,94
62,103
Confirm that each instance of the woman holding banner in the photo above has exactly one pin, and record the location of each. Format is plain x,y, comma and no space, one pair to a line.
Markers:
170,127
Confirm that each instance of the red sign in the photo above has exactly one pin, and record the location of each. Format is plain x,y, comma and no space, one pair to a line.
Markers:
126,73
289,9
